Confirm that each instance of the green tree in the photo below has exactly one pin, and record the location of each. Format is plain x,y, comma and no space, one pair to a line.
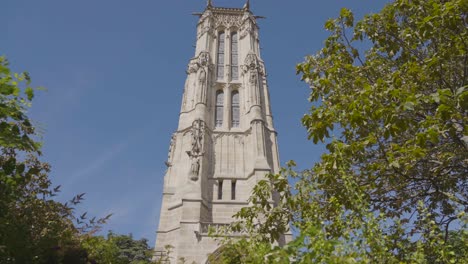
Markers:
393,185
117,249
34,228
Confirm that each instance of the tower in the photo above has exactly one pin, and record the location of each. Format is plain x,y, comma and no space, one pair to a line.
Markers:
225,141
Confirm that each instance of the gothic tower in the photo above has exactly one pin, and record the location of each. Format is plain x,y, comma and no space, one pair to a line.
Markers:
225,141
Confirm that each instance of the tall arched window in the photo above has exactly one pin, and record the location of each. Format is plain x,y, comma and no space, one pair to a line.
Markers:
220,63
235,109
219,111
234,57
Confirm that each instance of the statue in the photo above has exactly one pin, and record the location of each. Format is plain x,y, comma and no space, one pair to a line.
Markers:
202,78
203,59
253,77
198,132
195,168
171,149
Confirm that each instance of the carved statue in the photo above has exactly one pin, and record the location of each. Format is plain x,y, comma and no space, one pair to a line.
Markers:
201,91
253,77
203,58
184,97
171,149
195,168
251,61
198,132
197,137
192,67
201,78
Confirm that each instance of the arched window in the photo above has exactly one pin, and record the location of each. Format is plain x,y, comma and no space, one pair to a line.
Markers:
234,56
220,63
219,111
235,109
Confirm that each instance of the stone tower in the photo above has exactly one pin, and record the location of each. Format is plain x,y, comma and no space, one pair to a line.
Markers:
225,141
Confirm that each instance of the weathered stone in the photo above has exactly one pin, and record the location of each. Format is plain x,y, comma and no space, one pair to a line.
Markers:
207,163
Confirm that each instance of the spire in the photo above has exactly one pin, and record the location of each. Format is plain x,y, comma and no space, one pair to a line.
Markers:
247,5
209,4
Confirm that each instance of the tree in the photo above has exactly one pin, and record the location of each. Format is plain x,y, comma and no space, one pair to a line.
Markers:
34,228
117,249
393,185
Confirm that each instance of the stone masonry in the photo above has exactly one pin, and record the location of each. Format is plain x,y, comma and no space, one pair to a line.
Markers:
225,141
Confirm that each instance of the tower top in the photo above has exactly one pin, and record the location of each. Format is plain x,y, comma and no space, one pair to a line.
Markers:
246,7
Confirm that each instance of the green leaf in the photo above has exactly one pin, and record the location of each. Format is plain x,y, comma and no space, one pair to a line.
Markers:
29,93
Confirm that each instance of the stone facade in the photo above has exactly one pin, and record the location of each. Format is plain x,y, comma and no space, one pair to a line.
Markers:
225,141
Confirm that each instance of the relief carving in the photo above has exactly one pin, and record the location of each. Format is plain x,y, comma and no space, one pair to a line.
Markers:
196,151
201,78
251,67
251,61
195,168
253,77
198,131
204,59
227,20
198,71
192,67
170,153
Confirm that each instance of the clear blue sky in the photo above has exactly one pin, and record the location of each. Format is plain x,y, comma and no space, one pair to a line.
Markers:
115,71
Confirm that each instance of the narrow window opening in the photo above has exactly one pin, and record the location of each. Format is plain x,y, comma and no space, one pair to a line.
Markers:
234,57
220,63
220,189
219,111
233,189
235,115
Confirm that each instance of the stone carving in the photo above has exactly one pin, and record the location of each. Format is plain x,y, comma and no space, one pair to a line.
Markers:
195,168
251,61
201,78
251,67
184,96
203,62
253,77
227,20
196,151
192,67
204,59
198,71
170,153
197,136
201,85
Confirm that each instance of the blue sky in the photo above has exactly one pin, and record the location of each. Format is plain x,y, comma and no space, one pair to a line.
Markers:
114,72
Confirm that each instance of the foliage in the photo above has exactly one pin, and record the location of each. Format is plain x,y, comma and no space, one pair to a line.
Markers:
117,249
34,228
392,187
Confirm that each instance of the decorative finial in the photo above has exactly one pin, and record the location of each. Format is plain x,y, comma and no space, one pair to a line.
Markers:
247,5
208,4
